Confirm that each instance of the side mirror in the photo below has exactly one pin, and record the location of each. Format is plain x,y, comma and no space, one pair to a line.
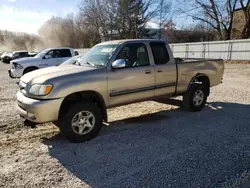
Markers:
119,63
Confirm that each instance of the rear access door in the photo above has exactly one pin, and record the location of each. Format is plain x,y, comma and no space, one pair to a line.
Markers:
165,69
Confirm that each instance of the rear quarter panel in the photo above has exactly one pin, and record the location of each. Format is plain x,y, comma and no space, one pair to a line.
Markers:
187,71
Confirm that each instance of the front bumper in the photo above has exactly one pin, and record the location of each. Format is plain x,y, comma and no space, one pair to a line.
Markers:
15,73
38,111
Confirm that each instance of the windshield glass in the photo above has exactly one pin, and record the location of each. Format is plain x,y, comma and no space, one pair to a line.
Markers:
99,55
42,53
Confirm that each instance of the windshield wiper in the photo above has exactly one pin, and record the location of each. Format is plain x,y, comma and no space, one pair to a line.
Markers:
93,65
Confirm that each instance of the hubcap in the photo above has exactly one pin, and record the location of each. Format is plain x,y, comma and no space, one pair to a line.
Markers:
198,97
83,122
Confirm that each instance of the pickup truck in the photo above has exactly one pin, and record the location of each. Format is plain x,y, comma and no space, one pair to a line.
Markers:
76,97
46,58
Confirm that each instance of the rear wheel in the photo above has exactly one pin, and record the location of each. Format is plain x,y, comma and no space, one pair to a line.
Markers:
82,122
195,98
29,70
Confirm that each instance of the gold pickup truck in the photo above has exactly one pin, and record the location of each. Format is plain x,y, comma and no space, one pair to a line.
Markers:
76,97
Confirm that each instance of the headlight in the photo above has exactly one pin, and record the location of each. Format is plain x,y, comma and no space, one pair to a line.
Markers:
17,66
40,89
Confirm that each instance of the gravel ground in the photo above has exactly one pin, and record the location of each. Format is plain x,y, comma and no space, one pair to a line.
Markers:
150,144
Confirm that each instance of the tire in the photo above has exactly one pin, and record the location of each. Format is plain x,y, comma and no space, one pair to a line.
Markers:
189,101
73,116
56,123
29,70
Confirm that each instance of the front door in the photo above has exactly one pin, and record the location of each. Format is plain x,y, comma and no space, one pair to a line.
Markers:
136,80
55,57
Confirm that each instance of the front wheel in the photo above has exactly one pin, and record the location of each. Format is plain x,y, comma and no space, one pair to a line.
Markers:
82,122
195,98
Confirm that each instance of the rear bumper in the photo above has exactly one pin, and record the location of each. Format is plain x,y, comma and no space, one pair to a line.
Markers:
38,111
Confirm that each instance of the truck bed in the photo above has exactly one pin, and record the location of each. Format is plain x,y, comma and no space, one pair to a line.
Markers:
188,68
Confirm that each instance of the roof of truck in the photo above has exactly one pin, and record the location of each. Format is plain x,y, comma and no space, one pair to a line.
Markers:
20,51
131,40
59,48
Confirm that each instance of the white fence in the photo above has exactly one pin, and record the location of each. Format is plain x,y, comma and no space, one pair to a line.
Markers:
82,50
227,50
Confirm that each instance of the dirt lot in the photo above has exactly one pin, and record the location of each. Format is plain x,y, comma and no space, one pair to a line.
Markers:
146,145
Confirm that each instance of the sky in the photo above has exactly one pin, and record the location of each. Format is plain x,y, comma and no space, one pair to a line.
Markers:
28,15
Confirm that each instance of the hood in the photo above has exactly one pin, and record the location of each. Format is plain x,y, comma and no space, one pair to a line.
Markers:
41,75
25,60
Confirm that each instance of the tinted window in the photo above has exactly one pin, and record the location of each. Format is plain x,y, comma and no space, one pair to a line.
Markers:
160,53
23,53
53,54
134,54
65,53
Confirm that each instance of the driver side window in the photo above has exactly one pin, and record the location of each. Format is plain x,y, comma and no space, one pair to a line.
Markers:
135,55
52,54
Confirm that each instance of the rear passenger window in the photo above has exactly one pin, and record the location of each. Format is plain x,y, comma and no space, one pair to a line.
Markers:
65,53
160,53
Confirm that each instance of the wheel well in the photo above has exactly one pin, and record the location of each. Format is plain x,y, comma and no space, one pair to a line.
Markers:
202,79
33,67
84,96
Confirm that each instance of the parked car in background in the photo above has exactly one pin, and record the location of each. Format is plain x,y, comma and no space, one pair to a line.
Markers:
15,55
6,58
72,60
76,97
3,55
46,58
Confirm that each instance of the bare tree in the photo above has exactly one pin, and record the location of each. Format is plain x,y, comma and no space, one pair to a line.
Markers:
11,41
59,31
112,19
217,14
162,15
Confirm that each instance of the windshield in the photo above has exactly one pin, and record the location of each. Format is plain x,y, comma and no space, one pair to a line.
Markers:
99,55
42,53
72,60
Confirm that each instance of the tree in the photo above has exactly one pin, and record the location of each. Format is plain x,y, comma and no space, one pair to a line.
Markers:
59,31
162,17
116,19
246,10
19,41
217,14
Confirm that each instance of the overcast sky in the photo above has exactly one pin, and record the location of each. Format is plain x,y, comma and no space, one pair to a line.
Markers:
29,15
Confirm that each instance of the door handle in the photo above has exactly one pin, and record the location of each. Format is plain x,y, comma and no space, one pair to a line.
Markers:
147,71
